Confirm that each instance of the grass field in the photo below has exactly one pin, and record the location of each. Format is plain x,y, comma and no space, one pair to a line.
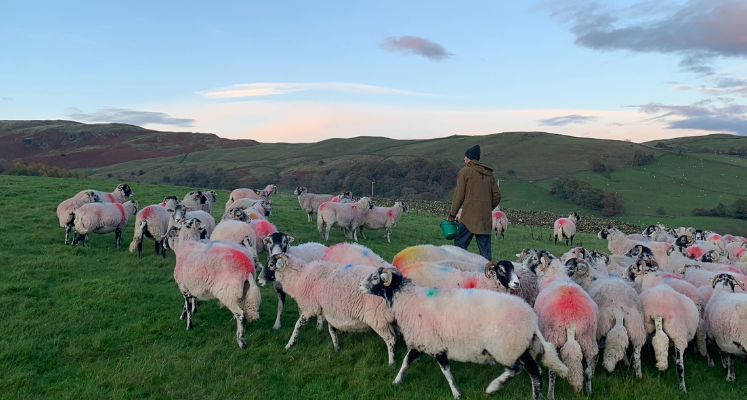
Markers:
95,322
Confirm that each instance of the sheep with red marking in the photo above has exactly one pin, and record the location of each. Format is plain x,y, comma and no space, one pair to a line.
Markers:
180,212
216,270
498,276
618,243
310,202
567,318
448,255
262,229
235,231
735,249
382,218
119,195
344,197
565,228
452,324
152,222
500,222
102,218
348,216
332,290
65,211
262,206
245,193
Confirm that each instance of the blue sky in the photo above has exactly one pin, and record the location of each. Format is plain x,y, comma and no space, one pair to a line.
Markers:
306,71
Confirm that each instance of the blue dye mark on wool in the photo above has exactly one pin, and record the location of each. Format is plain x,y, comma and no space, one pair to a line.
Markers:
348,266
481,268
365,253
431,292
211,244
445,268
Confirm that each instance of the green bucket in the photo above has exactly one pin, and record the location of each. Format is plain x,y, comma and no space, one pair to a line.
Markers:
449,229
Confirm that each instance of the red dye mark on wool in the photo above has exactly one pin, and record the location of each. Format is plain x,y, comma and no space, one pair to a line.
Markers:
123,221
471,283
110,197
569,305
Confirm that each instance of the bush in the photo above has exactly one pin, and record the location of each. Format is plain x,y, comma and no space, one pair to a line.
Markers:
611,204
583,194
196,177
37,169
640,158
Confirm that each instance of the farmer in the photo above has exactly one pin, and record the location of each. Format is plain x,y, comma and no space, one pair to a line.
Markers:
476,194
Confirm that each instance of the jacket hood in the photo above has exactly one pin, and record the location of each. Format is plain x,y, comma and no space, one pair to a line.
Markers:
481,168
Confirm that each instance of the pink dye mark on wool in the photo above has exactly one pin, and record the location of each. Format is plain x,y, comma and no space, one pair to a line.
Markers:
241,259
111,198
570,305
471,283
123,221
695,252
147,212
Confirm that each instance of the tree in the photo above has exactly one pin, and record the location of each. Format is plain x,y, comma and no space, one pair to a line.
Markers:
640,158
611,204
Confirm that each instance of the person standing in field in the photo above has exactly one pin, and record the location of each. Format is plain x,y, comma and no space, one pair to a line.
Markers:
476,194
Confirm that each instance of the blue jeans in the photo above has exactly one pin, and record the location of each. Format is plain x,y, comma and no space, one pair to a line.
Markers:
464,238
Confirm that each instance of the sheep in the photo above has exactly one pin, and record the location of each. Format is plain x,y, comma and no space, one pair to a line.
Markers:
382,218
331,290
235,231
211,197
196,201
620,317
668,315
263,207
219,270
344,215
279,242
565,228
235,214
262,229
344,197
353,253
180,212
119,195
567,317
102,218
151,222
500,222
310,202
658,233
451,256
617,243
244,193
497,276
733,249
725,319
65,211
450,324
716,240
638,237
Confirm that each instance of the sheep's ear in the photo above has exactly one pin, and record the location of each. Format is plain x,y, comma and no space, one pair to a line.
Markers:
267,241
740,283
257,191
290,238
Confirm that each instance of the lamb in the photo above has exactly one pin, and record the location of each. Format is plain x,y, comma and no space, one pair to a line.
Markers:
450,324
348,216
565,228
180,212
119,195
500,222
279,242
567,317
219,270
497,276
668,315
65,211
196,201
331,290
310,202
382,218
725,320
263,207
102,218
151,222
620,318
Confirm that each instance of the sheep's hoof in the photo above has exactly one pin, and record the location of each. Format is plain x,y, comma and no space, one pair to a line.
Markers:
276,326
242,343
288,346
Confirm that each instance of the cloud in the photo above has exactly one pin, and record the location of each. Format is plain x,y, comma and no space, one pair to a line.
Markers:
701,116
268,89
682,87
566,120
416,45
697,30
132,117
717,124
7,99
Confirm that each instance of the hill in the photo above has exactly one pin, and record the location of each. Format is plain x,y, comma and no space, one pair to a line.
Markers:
716,143
69,144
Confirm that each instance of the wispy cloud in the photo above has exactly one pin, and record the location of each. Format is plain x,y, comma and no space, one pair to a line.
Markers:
268,89
7,99
566,120
416,45
730,118
698,30
126,116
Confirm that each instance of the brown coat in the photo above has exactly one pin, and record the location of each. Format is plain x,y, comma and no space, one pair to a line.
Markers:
477,194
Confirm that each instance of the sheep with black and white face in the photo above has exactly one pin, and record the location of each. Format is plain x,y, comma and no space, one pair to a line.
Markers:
66,209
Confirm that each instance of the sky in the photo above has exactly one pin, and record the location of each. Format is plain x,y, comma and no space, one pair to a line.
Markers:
302,71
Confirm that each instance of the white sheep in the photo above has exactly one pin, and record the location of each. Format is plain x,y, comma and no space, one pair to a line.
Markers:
382,218
119,195
500,222
618,243
725,316
245,193
451,324
344,197
151,222
219,270
620,318
348,216
65,211
497,276
196,200
448,255
235,231
331,290
565,228
102,218
180,212
668,315
211,197
310,202
279,242
261,206
353,253
567,317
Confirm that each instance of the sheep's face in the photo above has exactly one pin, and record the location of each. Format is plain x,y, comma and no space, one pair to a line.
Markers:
275,263
711,256
699,235
300,190
125,189
211,195
534,260
179,212
605,232
266,207
503,271
649,230
685,241
580,272
728,280
385,282
277,242
170,202
574,216
134,206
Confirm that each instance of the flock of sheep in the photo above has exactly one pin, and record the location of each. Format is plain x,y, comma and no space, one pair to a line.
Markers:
662,285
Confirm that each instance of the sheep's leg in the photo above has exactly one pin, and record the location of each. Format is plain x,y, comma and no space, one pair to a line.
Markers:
572,239
637,362
443,362
730,367
117,237
355,233
411,356
535,373
193,303
157,248
589,372
319,322
310,215
556,243
68,228
503,378
188,309
240,328
335,339
281,303
388,233
329,228
679,354
301,322
360,228
551,386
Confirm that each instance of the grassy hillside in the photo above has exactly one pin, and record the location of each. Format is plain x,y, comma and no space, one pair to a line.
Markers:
702,144
97,322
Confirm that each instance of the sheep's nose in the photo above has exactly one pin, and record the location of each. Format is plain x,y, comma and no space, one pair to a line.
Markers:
514,285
